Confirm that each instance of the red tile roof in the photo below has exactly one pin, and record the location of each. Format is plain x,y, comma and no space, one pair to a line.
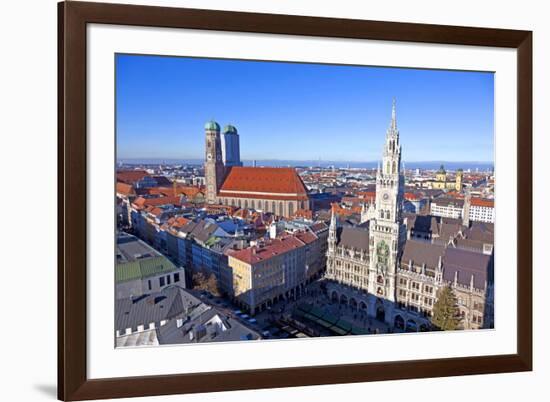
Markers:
268,197
124,189
142,202
455,194
367,195
155,211
130,176
481,202
177,222
303,213
272,182
188,191
163,201
271,248
338,210
216,208
306,236
412,196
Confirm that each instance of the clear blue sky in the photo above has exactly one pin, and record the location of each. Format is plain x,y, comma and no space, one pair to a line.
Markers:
300,111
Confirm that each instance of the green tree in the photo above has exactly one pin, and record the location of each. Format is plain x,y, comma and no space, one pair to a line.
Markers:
446,315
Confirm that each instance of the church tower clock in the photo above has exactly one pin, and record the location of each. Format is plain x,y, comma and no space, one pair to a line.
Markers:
214,169
387,232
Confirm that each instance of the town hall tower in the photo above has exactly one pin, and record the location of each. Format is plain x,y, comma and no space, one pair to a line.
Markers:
386,230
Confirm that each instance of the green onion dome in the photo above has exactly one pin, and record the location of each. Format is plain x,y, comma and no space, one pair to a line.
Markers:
212,125
229,129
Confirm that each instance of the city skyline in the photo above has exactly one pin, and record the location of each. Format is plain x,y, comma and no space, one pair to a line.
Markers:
235,253
163,103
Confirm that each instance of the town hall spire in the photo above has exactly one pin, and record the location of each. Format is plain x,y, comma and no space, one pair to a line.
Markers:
393,117
386,229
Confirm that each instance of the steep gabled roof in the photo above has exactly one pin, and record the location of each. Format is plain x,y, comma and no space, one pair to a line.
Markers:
466,263
306,236
266,180
354,237
420,252
130,176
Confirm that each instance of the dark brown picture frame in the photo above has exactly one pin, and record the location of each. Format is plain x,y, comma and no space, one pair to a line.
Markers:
73,17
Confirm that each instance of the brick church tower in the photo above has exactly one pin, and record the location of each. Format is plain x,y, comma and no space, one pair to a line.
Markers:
214,169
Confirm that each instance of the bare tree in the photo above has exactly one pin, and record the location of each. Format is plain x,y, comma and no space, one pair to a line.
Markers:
209,283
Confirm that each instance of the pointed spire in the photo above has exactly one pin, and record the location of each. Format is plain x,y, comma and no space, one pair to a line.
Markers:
393,116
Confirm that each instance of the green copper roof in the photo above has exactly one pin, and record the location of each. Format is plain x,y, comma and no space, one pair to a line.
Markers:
212,125
441,169
141,269
230,129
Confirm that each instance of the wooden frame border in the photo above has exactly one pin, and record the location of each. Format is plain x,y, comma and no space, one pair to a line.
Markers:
72,19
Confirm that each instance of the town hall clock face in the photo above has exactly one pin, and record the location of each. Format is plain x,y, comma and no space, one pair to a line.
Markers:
386,196
382,252
209,156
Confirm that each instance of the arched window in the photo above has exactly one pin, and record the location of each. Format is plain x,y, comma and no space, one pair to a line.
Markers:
273,207
280,208
290,208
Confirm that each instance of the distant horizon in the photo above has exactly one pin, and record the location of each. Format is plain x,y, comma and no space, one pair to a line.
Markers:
304,160
428,165
300,112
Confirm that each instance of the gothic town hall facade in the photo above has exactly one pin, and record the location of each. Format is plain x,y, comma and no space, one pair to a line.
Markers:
394,264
